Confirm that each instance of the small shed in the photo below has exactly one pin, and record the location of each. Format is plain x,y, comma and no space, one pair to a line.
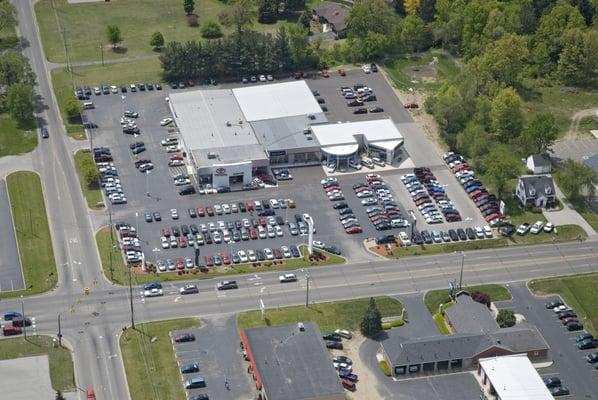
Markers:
539,164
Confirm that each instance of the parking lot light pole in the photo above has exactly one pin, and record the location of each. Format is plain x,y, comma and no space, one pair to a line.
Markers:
307,289
24,318
461,273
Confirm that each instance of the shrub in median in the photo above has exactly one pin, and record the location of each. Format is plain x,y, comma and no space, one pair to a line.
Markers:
384,367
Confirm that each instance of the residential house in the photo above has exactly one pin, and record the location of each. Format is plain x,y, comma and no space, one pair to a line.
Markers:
536,191
333,17
539,164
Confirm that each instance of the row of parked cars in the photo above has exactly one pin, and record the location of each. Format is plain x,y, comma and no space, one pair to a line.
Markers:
430,197
485,201
383,212
191,381
109,179
129,243
85,92
357,96
18,322
452,235
343,364
348,220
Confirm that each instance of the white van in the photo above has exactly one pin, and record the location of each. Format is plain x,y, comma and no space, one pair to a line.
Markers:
88,105
366,162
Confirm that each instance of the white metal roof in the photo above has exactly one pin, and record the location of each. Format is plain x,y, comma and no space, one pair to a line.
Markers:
515,378
276,100
341,150
375,131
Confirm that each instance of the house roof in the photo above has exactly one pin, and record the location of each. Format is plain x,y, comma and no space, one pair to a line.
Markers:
515,378
592,162
293,364
537,185
469,316
540,160
336,14
518,339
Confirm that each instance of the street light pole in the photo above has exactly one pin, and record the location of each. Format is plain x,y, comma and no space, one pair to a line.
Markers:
59,332
461,274
131,300
24,318
307,290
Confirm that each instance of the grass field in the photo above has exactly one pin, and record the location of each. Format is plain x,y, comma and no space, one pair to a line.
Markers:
85,24
399,71
119,274
93,195
61,365
33,233
114,74
14,140
578,291
150,364
329,316
435,298
586,124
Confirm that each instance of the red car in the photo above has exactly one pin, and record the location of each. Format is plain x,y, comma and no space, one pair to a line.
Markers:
354,229
342,72
325,73
209,261
226,258
250,205
201,211
176,157
565,321
166,232
180,264
182,242
263,221
90,394
411,104
460,167
252,234
331,188
493,216
210,211
8,330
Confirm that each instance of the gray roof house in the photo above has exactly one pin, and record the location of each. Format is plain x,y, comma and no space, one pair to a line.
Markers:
469,316
291,362
335,15
539,164
536,190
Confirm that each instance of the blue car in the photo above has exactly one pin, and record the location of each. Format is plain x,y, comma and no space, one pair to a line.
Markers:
10,315
152,285
472,189
189,368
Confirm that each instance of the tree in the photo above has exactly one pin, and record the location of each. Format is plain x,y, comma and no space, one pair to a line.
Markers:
474,142
157,40
555,23
481,297
188,6
577,181
59,395
211,30
370,16
113,35
15,68
450,111
506,115
426,10
240,15
411,6
500,165
579,59
540,134
371,325
19,102
8,15
72,108
90,172
304,19
413,34
505,318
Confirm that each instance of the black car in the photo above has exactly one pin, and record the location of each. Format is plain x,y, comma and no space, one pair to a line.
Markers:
559,391
226,285
417,238
461,233
175,231
586,344
201,396
332,249
508,230
194,229
150,86
185,337
157,216
332,336
453,235
470,234
376,109
45,133
553,381
189,368
141,86
260,255
340,205
185,230
242,207
148,217
334,345
574,326
187,190
294,251
554,303
123,89
360,110
373,67
427,238
583,336
192,213
566,314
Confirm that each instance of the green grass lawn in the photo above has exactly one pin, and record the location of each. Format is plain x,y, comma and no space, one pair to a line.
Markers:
398,71
114,74
119,274
433,298
85,26
150,364
561,104
14,140
590,216
61,364
93,195
329,316
578,291
439,321
33,233
586,124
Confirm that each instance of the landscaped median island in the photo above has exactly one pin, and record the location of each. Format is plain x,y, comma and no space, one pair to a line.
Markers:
149,359
563,233
91,190
116,270
32,232
577,291
346,314
62,373
434,298
15,139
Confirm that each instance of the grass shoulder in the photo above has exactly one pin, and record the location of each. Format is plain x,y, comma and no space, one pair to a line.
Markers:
149,359
32,232
14,139
578,291
116,271
93,194
62,373
346,314
434,298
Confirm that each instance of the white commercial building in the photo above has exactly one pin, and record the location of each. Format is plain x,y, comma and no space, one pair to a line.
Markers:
512,378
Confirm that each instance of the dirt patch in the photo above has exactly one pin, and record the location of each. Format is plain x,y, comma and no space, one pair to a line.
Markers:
424,73
367,383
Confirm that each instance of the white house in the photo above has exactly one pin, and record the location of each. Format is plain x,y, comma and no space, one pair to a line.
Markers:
539,164
536,190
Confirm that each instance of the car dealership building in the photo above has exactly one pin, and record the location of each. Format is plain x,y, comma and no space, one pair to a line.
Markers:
230,135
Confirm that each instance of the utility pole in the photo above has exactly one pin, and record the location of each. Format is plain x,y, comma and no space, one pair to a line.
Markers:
131,298
24,318
461,274
307,291
102,51
59,332
111,229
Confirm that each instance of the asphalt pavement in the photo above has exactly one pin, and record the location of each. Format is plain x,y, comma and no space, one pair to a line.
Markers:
11,275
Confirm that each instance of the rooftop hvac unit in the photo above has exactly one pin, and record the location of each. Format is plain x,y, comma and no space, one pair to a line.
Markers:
228,123
310,138
306,131
212,155
311,116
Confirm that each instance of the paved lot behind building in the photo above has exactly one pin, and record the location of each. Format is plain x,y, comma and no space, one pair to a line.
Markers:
11,276
33,371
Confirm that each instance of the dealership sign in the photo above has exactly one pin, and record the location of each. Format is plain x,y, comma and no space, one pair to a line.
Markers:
220,171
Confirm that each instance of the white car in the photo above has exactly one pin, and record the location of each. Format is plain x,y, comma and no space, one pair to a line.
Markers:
176,163
182,181
287,278
560,308
366,69
165,121
537,227
269,254
251,255
278,230
318,244
242,256
113,89
487,231
165,242
344,333
262,78
226,208
328,180
286,253
274,203
172,149
217,209
331,168
365,193
174,213
404,239
479,232
169,141
355,165
153,293
173,242
549,227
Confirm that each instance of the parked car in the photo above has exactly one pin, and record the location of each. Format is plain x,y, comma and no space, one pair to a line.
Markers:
185,337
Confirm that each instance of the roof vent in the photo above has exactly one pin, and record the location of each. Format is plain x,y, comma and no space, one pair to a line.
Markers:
311,116
301,326
306,131
309,137
240,122
532,191
547,190
228,123
212,155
